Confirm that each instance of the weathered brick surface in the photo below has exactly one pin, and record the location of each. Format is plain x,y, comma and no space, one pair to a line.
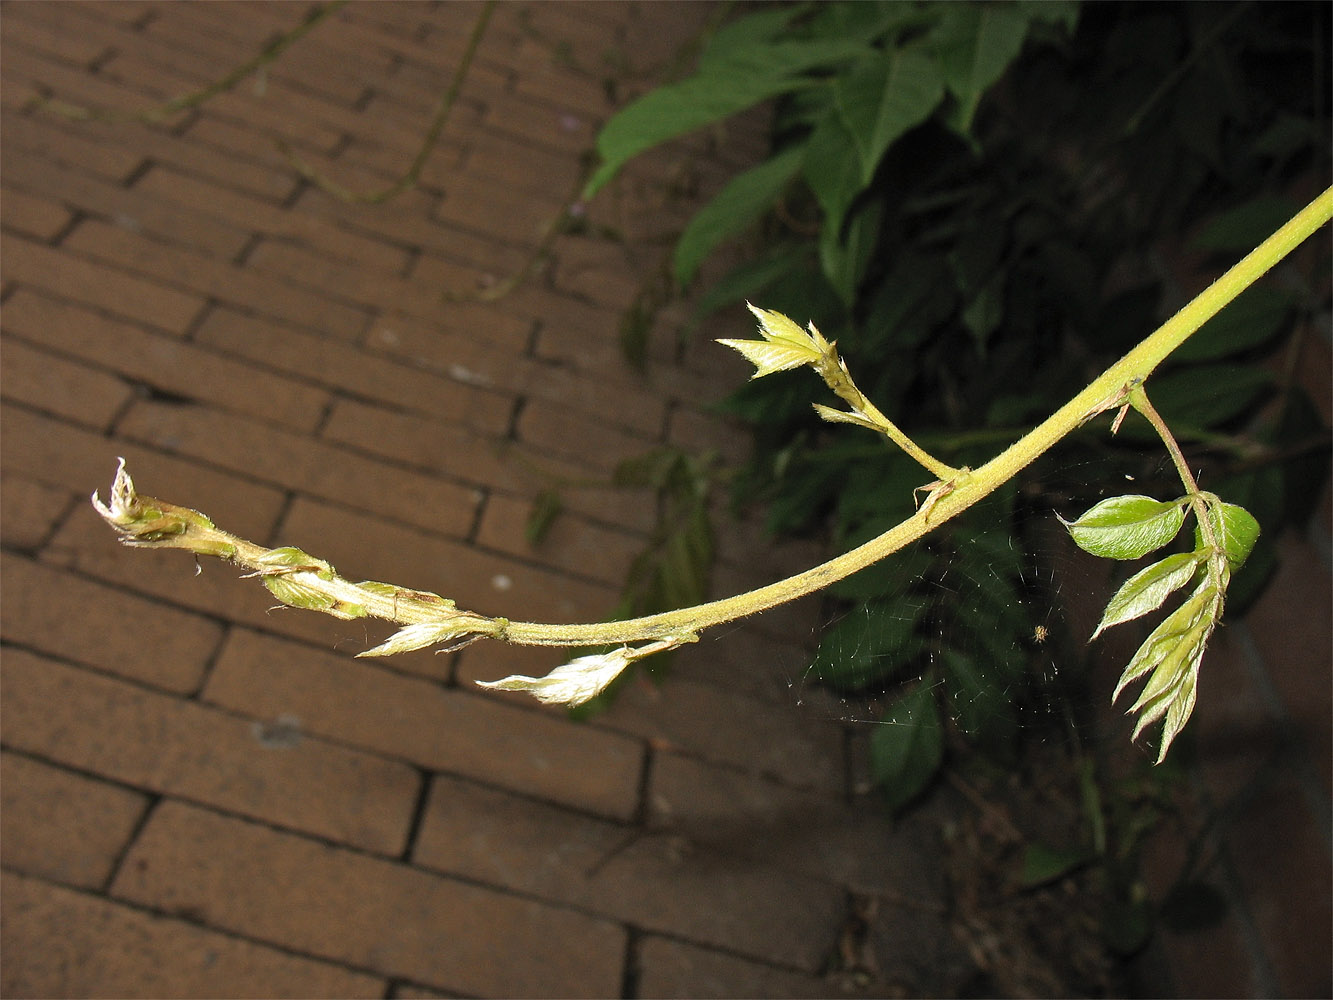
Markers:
35,216
106,287
295,462
66,388
249,765
414,719
373,914
723,725
221,279
164,363
63,826
664,882
61,943
670,968
67,615
303,355
31,511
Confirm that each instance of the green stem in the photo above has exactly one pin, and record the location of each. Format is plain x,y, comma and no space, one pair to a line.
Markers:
1107,389
305,582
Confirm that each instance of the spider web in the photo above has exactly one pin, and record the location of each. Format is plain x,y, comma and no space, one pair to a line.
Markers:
1038,675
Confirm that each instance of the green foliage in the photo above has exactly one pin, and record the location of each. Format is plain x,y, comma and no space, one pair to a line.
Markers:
674,570
1132,526
988,187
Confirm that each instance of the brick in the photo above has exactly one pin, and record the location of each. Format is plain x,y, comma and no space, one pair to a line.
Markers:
490,584
60,825
571,543
255,214
50,30
596,269
351,369
657,882
66,388
257,171
365,705
1234,732
473,349
34,216
1210,962
63,943
32,511
130,13
213,29
547,82
31,75
700,432
547,427
164,363
741,815
513,115
517,166
473,203
303,266
679,969
180,748
292,461
127,208
66,615
194,49
255,138
97,284
458,452
748,662
55,453
587,337
412,223
391,919
467,357
778,741
205,276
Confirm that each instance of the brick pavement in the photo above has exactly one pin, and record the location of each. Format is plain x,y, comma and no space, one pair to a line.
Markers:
206,797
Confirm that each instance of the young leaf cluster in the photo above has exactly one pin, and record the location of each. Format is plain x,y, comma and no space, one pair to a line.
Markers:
1129,527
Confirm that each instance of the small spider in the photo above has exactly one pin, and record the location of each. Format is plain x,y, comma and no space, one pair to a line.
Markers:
1039,634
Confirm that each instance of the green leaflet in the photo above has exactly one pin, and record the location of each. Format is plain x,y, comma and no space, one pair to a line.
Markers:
975,45
880,99
1147,589
725,85
1127,527
1163,639
293,593
1234,528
